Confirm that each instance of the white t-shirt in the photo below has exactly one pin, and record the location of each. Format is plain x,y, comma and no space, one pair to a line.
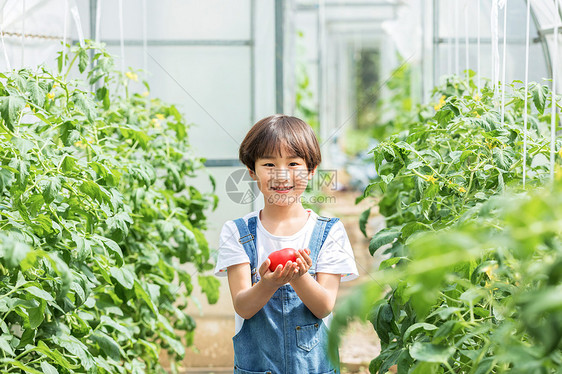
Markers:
335,256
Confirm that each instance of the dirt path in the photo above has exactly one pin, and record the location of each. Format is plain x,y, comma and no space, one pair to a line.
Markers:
360,343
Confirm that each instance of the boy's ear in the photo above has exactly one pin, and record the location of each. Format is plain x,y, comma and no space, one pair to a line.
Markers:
311,173
252,173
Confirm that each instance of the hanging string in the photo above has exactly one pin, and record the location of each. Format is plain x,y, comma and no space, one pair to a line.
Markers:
98,22
466,44
554,109
450,44
456,10
495,48
8,66
23,13
526,92
478,47
64,33
121,36
504,83
76,16
144,38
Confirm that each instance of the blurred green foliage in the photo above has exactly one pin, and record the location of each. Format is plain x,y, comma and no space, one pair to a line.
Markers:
475,258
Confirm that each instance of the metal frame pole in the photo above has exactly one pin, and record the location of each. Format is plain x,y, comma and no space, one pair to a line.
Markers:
279,49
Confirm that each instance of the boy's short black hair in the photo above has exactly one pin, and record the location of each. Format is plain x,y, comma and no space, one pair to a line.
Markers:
271,134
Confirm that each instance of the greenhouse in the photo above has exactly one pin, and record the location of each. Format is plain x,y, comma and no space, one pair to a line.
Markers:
281,186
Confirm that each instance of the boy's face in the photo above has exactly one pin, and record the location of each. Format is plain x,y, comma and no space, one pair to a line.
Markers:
281,179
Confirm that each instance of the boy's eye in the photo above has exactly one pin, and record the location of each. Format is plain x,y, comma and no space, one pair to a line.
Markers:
294,164
268,164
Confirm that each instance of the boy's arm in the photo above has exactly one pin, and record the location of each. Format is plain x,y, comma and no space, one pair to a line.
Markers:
248,299
318,295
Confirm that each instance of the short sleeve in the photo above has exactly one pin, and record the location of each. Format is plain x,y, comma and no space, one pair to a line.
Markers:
336,255
230,251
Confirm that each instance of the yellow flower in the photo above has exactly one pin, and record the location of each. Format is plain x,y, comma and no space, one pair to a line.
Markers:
489,270
431,178
440,104
477,97
154,122
80,144
132,76
160,116
462,190
145,94
50,96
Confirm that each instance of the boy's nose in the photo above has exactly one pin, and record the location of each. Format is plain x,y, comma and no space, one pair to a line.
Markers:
281,174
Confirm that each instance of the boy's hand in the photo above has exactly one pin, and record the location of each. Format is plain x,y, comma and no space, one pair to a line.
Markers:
281,275
304,261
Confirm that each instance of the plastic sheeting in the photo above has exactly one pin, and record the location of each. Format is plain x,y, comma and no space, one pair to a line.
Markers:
42,22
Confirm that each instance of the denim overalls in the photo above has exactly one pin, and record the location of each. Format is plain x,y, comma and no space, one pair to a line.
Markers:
284,337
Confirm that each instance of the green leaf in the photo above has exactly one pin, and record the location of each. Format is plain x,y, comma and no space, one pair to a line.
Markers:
54,355
119,223
68,163
36,92
23,367
107,345
76,347
412,227
82,60
141,293
10,109
390,261
485,366
124,276
91,189
210,287
28,337
113,247
37,292
417,326
51,189
363,221
12,251
85,105
175,344
428,352
107,321
501,158
384,236
540,94
5,345
48,368
427,368
36,315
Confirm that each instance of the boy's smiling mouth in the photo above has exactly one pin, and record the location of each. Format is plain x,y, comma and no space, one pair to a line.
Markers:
283,188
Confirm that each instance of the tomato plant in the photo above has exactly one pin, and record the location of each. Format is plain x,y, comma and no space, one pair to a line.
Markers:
474,273
97,220
454,158
482,296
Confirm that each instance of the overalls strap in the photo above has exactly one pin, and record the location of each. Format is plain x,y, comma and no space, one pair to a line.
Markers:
319,235
248,241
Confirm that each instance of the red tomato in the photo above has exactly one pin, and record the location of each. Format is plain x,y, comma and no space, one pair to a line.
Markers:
281,257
